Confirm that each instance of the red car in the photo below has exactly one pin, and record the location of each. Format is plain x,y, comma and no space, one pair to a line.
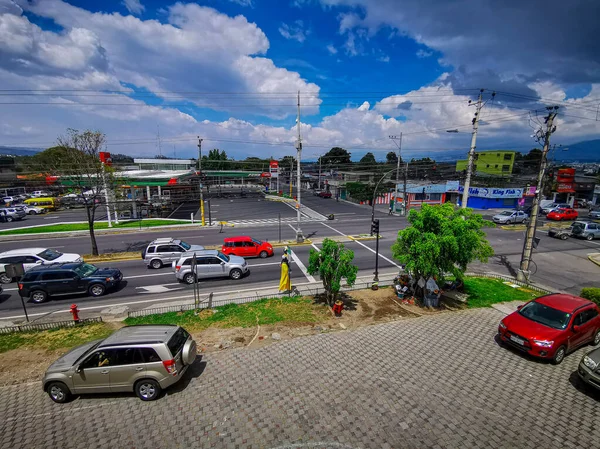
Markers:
325,194
245,246
563,214
552,326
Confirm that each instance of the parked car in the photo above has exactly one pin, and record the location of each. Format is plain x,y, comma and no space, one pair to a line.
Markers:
245,246
164,251
31,257
41,282
325,194
563,214
141,359
32,210
44,202
588,369
510,216
586,229
210,264
38,194
12,214
9,200
554,206
594,213
561,233
551,326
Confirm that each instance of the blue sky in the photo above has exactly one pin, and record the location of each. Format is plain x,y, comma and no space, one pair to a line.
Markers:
228,69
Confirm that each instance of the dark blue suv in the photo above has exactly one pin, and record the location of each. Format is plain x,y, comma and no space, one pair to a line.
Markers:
43,281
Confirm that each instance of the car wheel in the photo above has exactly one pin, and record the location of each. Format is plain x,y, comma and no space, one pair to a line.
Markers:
38,296
9,219
564,237
96,290
589,237
189,278
58,392
156,264
524,220
5,279
596,340
559,355
31,212
235,274
147,390
263,255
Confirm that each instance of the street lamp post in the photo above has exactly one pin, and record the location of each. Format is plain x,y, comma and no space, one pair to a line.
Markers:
375,193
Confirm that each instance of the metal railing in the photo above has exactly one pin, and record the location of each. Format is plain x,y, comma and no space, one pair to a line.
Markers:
47,326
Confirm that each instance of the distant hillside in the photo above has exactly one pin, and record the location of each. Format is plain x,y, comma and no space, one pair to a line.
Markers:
19,151
588,151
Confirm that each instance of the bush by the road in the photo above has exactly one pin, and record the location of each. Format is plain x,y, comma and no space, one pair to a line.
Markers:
591,293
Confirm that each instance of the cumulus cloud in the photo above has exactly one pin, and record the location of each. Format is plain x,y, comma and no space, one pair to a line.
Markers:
423,53
134,6
331,49
295,31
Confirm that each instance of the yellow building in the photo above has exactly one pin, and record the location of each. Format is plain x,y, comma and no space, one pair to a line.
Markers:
492,163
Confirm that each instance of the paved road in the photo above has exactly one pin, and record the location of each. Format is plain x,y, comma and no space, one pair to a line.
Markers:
433,382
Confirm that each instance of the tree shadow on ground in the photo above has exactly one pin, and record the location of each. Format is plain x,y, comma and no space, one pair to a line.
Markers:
349,302
129,247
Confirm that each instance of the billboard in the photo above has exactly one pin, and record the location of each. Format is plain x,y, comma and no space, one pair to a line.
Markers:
492,192
274,169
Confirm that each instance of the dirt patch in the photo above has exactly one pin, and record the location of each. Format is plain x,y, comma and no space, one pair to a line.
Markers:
25,365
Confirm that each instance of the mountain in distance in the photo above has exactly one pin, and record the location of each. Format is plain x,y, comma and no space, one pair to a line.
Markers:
19,151
586,151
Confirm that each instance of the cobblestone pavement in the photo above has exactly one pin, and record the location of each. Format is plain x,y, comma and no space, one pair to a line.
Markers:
432,382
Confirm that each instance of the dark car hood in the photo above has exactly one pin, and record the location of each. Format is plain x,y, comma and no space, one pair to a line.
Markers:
105,272
67,360
594,355
517,323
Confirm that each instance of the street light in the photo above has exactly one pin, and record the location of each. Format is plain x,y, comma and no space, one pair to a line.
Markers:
375,193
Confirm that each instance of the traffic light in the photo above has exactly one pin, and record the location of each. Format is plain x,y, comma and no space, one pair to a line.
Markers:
375,227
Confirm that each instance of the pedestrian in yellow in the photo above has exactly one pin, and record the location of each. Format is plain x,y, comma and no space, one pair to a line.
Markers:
285,282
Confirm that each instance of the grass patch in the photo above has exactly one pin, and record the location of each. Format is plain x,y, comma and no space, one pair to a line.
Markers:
269,311
484,292
55,338
83,226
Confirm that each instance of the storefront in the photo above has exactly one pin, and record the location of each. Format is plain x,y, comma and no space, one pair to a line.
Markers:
492,198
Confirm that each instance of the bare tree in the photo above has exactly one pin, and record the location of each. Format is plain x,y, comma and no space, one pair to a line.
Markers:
76,160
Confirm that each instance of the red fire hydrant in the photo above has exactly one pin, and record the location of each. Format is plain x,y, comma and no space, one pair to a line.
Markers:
338,307
75,312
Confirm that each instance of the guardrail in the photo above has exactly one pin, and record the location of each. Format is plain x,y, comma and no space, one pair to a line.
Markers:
48,326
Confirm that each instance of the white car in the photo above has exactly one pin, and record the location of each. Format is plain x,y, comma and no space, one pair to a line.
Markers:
39,194
32,210
32,257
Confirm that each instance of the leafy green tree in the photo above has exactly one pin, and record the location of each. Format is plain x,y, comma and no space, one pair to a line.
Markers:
336,156
333,263
392,158
361,191
216,160
368,161
441,240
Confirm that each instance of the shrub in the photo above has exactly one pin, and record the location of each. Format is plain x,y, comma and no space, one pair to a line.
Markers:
591,293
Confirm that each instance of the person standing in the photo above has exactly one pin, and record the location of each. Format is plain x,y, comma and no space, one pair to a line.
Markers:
285,282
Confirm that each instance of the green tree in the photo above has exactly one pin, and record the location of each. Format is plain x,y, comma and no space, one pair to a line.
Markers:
361,191
336,156
441,240
333,263
392,158
368,160
216,160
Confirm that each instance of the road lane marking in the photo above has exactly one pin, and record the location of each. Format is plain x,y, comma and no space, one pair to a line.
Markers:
362,244
293,228
303,268
315,247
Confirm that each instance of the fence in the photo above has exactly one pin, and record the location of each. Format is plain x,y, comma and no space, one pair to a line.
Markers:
48,326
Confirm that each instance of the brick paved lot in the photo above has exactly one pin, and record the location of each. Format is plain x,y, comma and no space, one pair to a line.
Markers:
432,382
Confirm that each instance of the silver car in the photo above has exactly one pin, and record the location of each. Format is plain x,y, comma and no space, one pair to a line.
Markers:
586,229
510,216
594,213
12,213
210,264
554,206
139,359
164,251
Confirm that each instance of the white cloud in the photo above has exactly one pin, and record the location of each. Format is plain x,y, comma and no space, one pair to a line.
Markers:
243,2
134,6
331,49
295,31
423,53
384,58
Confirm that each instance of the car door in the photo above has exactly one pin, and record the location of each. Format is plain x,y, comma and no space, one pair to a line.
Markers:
51,282
250,249
588,324
238,248
93,374
217,267
30,261
572,214
176,251
202,267
577,338
594,230
165,253
128,366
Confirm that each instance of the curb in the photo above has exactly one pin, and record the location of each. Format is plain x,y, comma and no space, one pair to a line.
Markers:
595,258
359,239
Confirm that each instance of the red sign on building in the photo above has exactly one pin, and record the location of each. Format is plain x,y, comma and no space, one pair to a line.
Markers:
105,158
565,175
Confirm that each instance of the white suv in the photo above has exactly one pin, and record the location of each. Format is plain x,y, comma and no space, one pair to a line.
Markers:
31,257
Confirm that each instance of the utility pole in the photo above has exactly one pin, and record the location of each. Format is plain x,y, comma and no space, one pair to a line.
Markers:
528,245
291,177
203,222
478,106
404,197
106,196
398,141
299,236
320,157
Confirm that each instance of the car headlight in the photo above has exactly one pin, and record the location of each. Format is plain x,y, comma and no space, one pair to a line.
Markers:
589,363
502,325
544,343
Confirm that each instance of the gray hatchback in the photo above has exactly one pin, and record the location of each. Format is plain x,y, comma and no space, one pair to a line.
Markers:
588,230
210,264
140,359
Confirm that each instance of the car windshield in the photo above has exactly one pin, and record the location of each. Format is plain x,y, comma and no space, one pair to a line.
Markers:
223,257
50,254
85,270
506,213
185,245
545,315
258,242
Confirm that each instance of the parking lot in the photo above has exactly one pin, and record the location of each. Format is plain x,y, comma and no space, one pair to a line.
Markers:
430,382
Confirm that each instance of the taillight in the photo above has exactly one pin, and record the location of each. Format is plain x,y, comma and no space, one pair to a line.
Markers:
177,267
170,367
20,286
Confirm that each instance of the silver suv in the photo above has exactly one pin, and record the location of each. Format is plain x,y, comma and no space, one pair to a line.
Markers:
164,251
588,230
210,264
142,359
12,213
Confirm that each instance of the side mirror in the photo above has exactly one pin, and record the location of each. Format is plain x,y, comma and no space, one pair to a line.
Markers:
519,307
78,369
39,262
222,263
576,328
77,278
